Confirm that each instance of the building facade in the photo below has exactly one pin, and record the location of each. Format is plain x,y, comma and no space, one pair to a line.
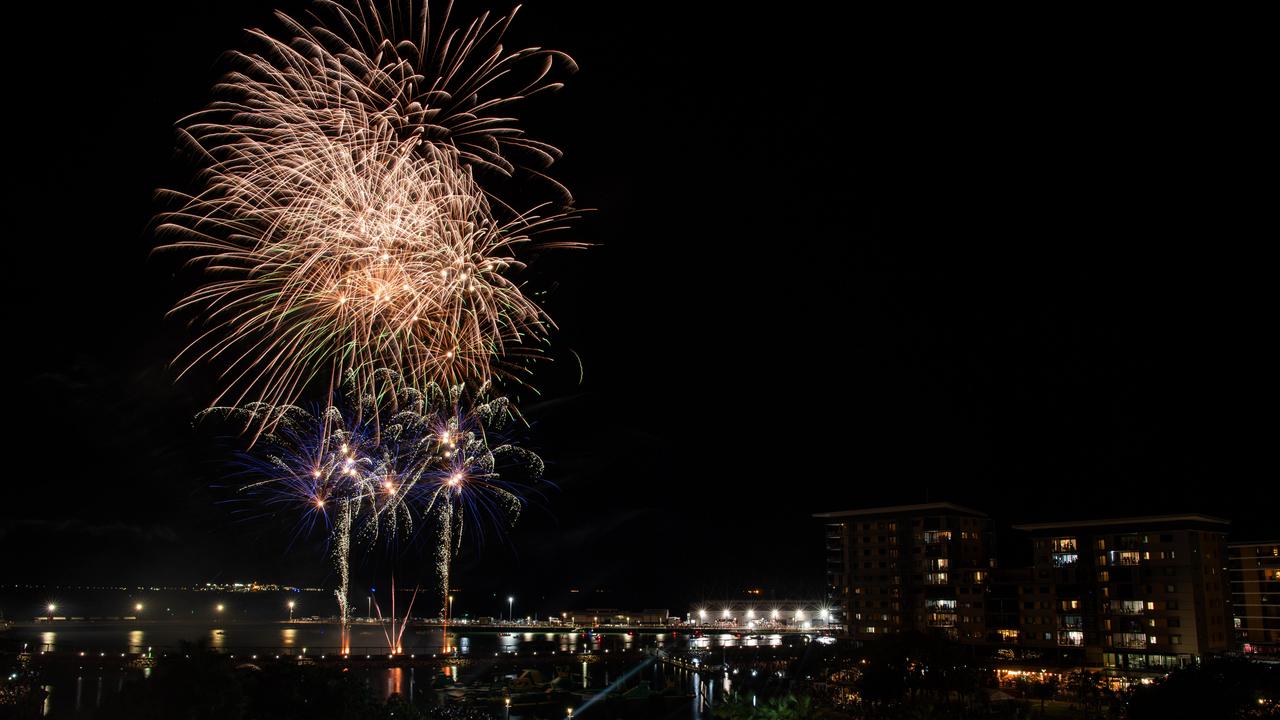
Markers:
1137,594
1254,569
1140,593
910,567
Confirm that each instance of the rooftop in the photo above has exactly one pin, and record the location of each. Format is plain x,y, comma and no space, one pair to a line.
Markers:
1139,520
921,509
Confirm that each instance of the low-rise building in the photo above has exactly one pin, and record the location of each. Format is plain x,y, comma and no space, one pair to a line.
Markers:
592,617
764,614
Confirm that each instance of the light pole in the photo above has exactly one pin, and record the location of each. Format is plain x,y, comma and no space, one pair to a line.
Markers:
52,607
510,604
290,611
137,607
506,702
368,606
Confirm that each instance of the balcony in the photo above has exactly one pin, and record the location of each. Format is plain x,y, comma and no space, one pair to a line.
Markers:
1126,607
1071,638
1124,557
1130,641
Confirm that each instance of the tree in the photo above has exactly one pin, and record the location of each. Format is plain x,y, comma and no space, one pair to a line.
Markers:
1219,688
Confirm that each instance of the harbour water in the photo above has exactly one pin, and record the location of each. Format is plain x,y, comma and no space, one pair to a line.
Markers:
95,632
76,692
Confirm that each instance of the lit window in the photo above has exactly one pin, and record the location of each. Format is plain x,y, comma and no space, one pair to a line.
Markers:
1074,638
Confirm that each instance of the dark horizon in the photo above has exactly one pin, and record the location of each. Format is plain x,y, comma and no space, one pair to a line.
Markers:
840,261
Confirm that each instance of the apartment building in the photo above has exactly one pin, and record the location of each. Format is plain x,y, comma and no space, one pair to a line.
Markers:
1254,570
1141,594
908,567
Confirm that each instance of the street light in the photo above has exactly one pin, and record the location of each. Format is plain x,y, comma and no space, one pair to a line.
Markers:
137,607
450,606
221,607
507,704
52,607
290,611
510,604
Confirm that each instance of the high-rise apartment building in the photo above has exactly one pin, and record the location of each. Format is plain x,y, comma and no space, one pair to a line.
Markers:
1138,593
1254,569
1130,594
910,567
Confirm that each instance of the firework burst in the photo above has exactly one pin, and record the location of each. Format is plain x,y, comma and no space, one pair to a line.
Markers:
394,65
436,464
339,225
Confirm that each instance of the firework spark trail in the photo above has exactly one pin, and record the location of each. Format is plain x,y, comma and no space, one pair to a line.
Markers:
342,558
339,224
395,637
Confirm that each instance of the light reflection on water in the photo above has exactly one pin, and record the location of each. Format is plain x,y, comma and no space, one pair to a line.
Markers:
87,692
319,638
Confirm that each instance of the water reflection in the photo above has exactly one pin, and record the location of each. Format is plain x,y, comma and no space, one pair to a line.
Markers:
320,638
395,682
507,642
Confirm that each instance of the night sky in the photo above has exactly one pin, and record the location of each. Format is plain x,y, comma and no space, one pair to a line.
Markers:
840,261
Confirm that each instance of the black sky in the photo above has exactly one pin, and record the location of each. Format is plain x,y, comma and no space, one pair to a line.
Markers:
841,259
